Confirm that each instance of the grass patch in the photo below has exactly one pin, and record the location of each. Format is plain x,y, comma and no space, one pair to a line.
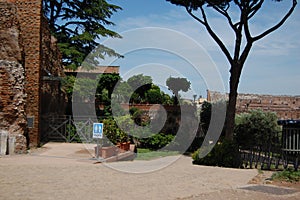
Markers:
287,175
147,154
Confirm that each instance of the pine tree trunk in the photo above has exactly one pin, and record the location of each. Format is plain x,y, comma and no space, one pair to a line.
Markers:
235,74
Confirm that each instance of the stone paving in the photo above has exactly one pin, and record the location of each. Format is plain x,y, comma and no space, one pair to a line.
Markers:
67,171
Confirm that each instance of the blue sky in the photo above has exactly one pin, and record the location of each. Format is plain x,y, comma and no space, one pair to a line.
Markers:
177,45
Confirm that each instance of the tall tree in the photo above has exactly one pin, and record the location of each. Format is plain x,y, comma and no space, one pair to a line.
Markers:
77,24
176,85
244,39
140,84
108,82
154,95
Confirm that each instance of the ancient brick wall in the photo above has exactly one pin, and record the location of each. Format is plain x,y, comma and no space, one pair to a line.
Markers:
25,38
11,47
50,54
12,103
30,13
12,80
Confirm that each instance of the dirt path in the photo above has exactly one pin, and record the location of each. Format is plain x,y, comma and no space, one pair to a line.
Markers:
66,171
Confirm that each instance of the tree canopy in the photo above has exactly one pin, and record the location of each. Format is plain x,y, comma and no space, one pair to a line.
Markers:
140,84
245,10
77,25
176,85
108,82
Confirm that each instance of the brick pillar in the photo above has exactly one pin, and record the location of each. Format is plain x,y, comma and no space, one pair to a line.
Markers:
30,14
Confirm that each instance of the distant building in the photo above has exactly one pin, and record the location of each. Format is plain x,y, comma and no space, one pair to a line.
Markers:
285,107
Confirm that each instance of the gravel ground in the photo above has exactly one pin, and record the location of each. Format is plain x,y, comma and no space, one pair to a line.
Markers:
66,171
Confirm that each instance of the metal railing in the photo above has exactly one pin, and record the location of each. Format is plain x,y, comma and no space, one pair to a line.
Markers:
67,129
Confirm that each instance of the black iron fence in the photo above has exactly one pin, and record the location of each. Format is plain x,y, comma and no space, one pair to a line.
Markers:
67,129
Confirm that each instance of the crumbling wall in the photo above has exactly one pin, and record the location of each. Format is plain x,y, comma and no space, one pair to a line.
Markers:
11,48
26,44
12,81
29,14
12,104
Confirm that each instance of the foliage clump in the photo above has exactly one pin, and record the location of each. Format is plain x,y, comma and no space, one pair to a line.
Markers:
257,130
287,175
77,26
223,154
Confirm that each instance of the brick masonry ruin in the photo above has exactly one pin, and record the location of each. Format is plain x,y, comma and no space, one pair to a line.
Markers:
285,107
30,68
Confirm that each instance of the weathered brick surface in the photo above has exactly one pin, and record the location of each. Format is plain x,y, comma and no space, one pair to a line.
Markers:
25,38
29,13
12,78
12,102
10,40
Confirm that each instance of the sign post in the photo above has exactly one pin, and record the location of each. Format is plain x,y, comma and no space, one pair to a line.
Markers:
98,134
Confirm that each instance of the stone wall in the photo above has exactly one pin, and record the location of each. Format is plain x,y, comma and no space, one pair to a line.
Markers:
12,103
26,40
11,48
12,81
29,14
286,107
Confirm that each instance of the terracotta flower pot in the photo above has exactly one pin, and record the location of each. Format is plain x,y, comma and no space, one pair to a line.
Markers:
124,146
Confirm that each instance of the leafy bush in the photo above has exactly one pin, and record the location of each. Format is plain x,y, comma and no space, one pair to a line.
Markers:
156,141
223,154
72,133
287,175
154,96
137,116
257,129
113,133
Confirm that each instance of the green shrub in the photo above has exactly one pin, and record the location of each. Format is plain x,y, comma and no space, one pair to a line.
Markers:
223,154
287,175
72,134
113,133
209,159
156,141
136,116
257,129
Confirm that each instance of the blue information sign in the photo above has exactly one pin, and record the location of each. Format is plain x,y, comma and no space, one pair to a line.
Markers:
98,130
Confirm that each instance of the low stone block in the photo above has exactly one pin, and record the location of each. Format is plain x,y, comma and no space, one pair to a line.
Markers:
3,142
11,145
